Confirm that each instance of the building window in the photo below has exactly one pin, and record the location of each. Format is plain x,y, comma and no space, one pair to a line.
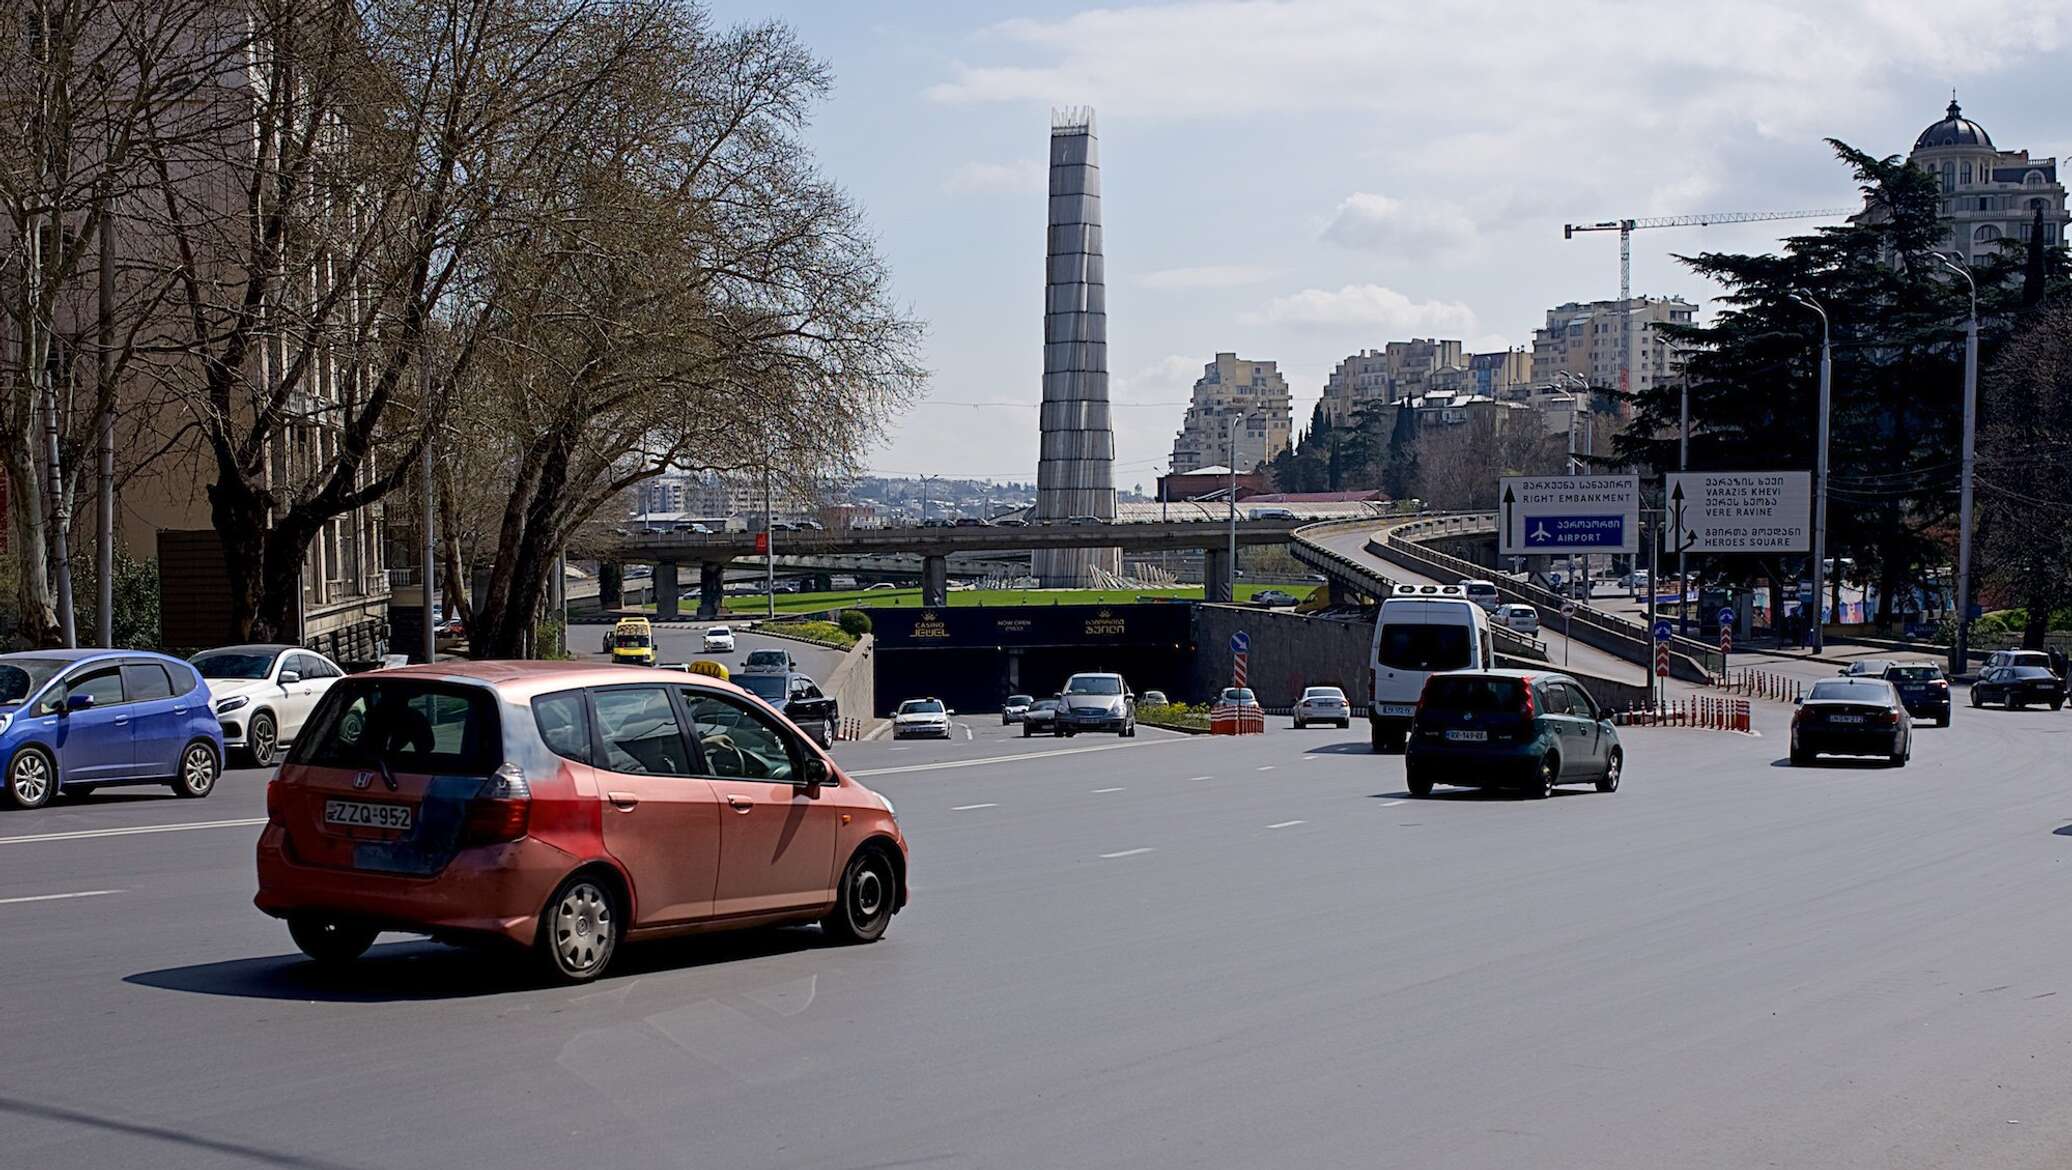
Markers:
1986,234
1949,177
1964,175
2033,179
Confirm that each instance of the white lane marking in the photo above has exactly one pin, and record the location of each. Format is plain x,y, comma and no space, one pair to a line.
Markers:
1099,791
1124,853
967,731
1390,803
56,897
83,834
970,807
1192,779
1287,824
1266,767
1113,747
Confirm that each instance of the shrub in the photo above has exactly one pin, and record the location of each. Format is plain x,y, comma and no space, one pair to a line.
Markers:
855,622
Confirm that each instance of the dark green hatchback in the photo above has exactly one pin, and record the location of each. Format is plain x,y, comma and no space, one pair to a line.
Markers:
1517,729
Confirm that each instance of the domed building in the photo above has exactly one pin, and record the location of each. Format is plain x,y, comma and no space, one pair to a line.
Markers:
1989,195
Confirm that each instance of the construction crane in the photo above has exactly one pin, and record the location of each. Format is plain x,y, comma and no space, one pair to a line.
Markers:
1626,228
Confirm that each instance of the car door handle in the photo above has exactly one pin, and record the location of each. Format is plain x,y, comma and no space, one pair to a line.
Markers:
121,720
623,801
179,710
740,804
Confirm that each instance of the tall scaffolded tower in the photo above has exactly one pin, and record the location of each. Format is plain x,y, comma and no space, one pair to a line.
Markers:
1075,469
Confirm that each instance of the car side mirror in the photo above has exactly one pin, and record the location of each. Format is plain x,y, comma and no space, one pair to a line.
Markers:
289,678
815,773
949,711
79,702
1797,699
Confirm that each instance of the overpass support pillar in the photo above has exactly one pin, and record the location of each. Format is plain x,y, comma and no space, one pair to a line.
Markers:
935,579
611,585
1215,580
823,582
665,591
712,588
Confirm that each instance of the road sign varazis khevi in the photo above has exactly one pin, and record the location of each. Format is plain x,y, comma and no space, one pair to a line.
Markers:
1559,514
1738,511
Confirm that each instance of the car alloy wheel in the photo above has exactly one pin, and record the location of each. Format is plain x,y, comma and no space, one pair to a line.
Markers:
30,779
1610,783
1549,768
261,741
582,929
198,769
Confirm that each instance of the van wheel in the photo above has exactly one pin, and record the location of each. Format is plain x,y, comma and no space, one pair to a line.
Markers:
864,901
199,769
330,941
580,929
1543,779
1610,782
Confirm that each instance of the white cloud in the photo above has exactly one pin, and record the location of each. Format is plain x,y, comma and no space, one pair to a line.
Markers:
1377,311
1589,102
1206,276
1376,223
1022,176
1169,379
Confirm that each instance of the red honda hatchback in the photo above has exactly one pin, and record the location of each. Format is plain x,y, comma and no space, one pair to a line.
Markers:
566,809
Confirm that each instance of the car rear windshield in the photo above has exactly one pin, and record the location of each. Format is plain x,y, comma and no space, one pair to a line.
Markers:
405,725
22,677
234,663
1094,684
1862,691
633,641
1474,694
2031,672
770,688
1017,700
1323,693
1915,673
1406,646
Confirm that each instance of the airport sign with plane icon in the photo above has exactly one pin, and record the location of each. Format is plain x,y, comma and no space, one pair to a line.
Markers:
1569,514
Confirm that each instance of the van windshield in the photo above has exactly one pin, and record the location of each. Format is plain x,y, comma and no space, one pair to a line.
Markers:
404,725
1094,684
1425,647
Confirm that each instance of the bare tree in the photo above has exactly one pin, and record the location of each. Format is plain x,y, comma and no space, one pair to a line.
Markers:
707,301
2024,446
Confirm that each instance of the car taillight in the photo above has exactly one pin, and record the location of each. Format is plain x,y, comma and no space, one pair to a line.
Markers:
501,812
1942,684
275,798
1526,689
1890,716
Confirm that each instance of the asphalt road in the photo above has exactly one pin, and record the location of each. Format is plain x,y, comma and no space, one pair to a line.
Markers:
1164,951
684,645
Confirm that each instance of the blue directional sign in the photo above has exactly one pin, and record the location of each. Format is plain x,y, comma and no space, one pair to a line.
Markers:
1240,643
1663,630
1574,533
1726,616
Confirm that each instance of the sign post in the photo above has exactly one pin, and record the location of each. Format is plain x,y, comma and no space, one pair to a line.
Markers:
1240,653
1663,631
1726,634
1569,514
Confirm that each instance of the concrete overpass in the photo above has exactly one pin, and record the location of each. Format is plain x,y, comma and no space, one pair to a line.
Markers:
712,552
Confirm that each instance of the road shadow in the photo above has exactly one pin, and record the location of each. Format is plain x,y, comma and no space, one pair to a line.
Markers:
1444,794
2062,831
1838,763
112,797
1351,747
411,969
221,1148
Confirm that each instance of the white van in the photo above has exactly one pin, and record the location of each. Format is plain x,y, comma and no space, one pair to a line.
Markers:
1482,593
1421,631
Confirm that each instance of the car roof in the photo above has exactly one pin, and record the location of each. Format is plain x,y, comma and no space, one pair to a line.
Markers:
63,654
521,680
256,648
1508,672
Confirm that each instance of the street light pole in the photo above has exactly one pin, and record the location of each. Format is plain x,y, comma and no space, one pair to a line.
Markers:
1960,648
769,549
1234,420
1805,300
1683,463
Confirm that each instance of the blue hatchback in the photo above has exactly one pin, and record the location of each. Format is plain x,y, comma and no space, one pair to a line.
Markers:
74,720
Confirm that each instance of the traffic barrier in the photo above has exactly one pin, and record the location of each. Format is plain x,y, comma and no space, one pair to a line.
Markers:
1762,684
1232,719
1697,712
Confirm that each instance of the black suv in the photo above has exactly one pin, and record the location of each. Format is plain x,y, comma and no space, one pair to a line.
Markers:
799,698
1923,689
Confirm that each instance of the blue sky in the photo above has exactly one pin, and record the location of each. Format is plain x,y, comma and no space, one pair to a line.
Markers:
1299,179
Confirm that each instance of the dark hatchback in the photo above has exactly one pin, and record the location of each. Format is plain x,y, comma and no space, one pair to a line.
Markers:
1852,717
1515,729
2015,687
1923,689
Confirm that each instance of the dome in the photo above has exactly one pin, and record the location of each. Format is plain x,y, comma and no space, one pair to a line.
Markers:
1954,130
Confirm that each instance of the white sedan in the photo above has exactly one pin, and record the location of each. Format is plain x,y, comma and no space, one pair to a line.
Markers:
921,717
1519,619
1323,705
719,640
262,694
